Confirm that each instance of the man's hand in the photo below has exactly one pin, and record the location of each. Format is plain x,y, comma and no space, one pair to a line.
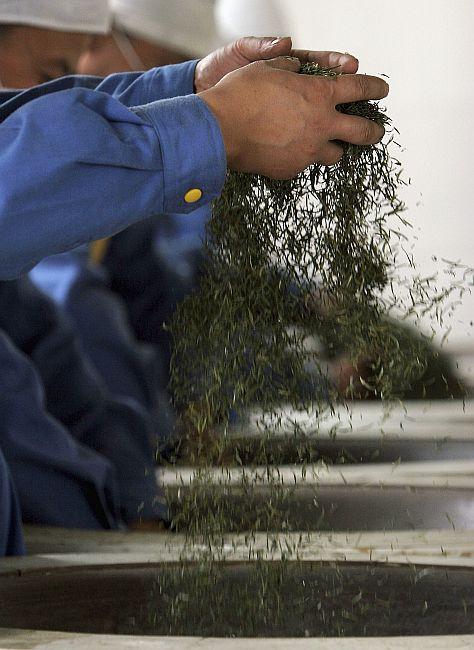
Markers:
215,66
276,123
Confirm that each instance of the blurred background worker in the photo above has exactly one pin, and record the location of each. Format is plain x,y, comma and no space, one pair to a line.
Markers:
44,40
71,453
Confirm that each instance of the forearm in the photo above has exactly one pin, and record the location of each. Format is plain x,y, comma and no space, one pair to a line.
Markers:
78,166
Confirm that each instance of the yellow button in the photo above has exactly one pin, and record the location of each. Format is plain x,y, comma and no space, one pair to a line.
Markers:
193,195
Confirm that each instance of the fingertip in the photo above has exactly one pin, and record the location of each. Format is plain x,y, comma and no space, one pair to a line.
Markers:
349,63
274,40
345,62
381,134
383,89
280,45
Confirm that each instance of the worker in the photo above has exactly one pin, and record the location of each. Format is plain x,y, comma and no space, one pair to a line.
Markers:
129,369
137,145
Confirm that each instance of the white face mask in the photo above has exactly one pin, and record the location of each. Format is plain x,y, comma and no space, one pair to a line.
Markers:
129,53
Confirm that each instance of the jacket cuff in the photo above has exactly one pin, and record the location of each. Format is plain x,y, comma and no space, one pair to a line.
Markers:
192,150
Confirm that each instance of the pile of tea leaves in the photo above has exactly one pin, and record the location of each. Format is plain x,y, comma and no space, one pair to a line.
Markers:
309,259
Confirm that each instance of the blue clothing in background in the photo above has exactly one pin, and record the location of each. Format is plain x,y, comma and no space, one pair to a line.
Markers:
117,431
129,368
153,266
11,538
147,270
58,481
82,159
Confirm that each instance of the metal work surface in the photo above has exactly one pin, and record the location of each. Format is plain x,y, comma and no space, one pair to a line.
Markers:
455,474
368,432
299,599
403,565
354,449
134,560
317,497
340,508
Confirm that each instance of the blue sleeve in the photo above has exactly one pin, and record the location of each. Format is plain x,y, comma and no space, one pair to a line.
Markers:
78,165
130,88
166,82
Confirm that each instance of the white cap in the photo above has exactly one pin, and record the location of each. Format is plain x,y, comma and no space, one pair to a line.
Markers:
89,16
236,18
186,26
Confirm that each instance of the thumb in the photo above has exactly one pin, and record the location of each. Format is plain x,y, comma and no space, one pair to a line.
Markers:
254,48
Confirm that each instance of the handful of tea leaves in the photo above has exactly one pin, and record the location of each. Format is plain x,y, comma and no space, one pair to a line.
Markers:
287,261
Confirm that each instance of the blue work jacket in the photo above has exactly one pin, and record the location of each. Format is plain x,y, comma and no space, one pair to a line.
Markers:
82,159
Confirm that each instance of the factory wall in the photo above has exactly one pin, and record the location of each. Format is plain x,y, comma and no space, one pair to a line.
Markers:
427,49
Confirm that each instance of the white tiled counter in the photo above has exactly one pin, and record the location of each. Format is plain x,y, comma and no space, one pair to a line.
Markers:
24,640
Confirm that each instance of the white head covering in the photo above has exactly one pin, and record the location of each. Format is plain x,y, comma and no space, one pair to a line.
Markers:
236,18
187,26
89,16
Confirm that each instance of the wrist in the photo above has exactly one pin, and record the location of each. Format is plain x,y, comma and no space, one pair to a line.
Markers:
227,126
199,82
